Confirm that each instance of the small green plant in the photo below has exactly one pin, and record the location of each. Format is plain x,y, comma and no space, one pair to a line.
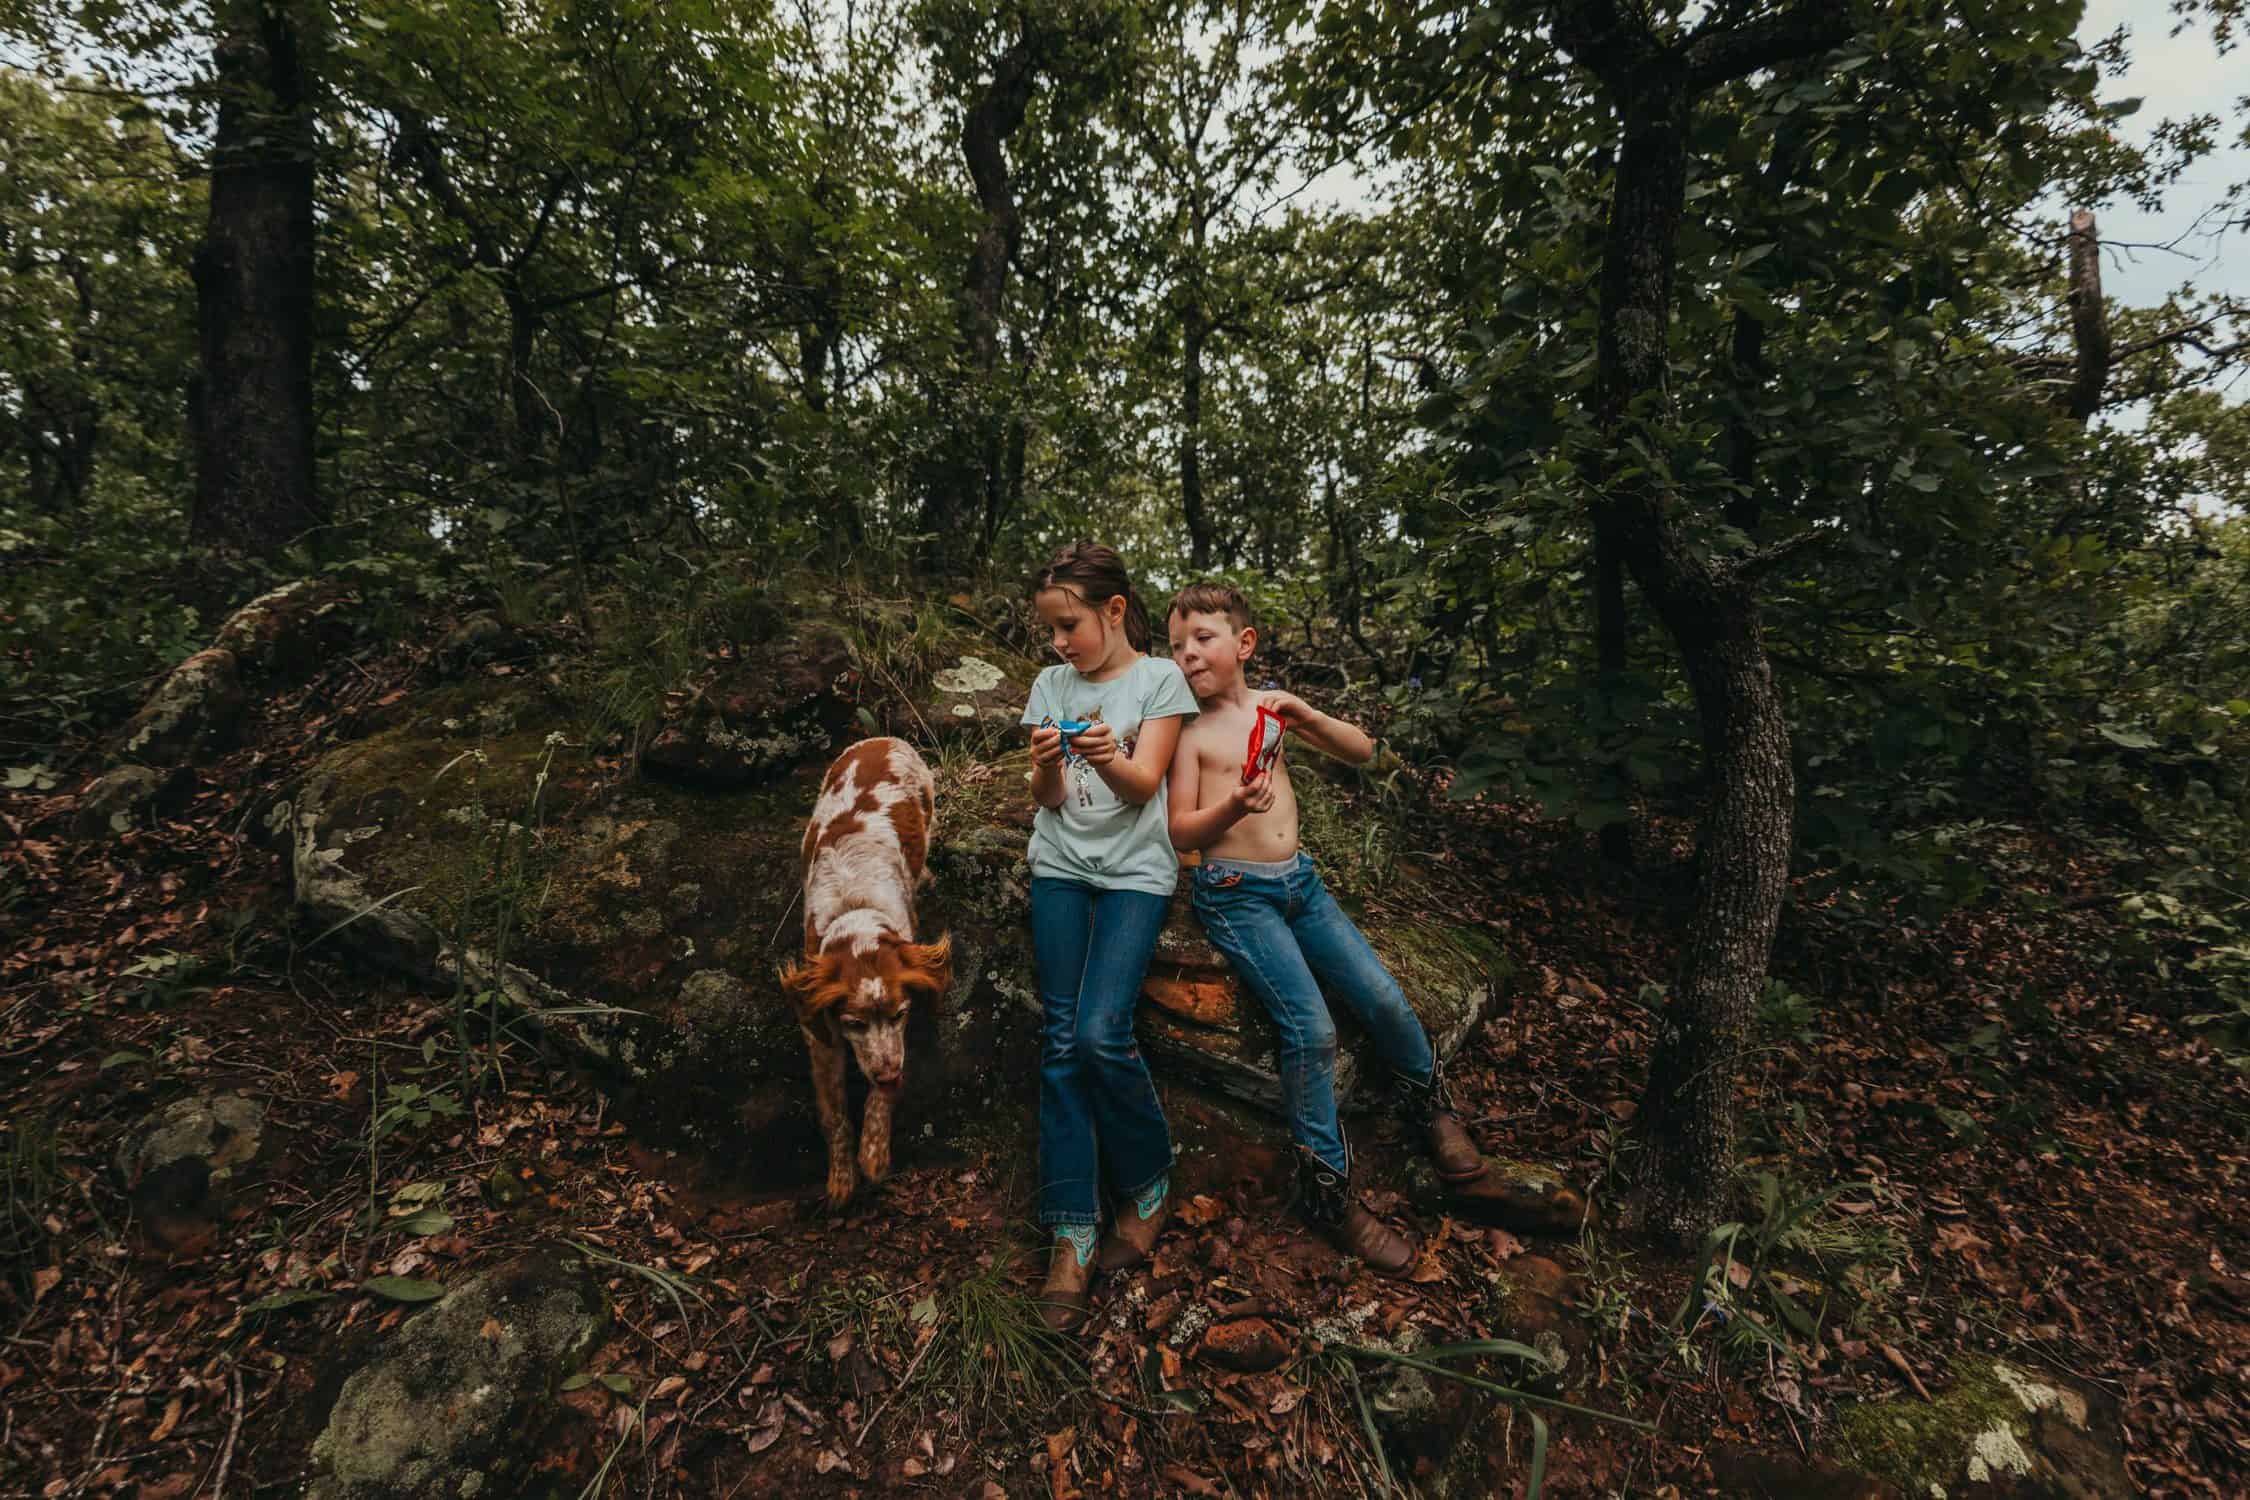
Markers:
1439,1361
988,1352
165,977
1785,1014
30,1170
1805,1260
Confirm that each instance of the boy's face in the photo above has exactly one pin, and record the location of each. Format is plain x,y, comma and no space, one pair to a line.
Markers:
1210,651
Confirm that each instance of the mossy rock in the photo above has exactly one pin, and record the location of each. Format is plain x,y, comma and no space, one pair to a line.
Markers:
646,920
450,1407
1996,1432
196,710
183,1165
775,704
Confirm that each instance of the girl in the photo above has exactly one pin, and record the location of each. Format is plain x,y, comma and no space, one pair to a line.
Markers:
1103,725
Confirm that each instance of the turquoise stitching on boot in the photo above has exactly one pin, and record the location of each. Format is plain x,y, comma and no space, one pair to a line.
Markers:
1151,1198
1080,1238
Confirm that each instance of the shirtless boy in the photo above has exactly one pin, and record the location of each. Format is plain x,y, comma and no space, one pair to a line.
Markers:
1263,905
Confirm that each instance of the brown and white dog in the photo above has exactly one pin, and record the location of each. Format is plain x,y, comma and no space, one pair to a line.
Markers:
866,848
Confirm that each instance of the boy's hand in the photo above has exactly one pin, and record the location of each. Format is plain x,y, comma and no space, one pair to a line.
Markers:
1096,744
1252,796
1295,712
1046,746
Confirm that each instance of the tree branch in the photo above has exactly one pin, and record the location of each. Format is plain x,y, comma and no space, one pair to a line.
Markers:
1715,54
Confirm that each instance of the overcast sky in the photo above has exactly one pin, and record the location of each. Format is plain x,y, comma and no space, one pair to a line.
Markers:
2178,76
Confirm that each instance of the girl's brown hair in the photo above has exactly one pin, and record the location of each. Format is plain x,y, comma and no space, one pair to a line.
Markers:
1096,574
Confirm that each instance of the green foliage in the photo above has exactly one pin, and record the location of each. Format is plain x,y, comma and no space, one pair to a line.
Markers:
1808,1259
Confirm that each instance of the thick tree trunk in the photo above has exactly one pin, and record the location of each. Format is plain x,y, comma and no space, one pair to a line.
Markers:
254,294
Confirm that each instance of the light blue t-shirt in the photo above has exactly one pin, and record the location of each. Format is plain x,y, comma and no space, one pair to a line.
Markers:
1097,836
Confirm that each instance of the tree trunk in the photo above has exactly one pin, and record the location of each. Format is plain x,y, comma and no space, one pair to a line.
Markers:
1689,1111
523,395
1609,669
963,482
2089,320
1193,334
253,413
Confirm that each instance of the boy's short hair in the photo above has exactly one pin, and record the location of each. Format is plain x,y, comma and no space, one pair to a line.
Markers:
1213,599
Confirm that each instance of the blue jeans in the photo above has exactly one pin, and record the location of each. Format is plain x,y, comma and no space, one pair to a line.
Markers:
1097,1104
1287,938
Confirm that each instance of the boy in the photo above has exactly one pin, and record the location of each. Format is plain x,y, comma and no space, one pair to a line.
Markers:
1263,905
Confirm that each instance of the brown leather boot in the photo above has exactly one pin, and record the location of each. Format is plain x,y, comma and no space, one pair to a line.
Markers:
1428,1108
1063,1296
1131,1238
1326,1198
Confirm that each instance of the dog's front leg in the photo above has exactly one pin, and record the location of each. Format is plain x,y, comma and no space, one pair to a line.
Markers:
828,1096
875,1137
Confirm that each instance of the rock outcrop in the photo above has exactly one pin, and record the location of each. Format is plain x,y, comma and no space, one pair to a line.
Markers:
649,914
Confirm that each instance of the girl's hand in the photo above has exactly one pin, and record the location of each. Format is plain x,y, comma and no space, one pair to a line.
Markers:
1096,744
1295,712
1046,746
1253,796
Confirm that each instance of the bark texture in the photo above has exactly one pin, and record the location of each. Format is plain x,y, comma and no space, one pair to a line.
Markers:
1689,1110
965,483
253,410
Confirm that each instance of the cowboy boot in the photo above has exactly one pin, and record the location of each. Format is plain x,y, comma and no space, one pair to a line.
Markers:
1132,1237
1063,1296
1326,1198
1428,1108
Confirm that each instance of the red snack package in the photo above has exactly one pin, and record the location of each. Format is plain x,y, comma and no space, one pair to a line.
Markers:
1265,746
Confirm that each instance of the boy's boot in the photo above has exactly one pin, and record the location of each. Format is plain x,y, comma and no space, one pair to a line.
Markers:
1063,1297
1326,1198
1428,1108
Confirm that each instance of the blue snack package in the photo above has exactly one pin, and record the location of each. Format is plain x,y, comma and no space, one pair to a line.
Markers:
1068,727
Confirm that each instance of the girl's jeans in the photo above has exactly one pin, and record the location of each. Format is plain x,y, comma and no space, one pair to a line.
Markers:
1097,1105
1287,938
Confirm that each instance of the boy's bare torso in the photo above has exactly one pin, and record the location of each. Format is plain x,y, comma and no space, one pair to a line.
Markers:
1216,737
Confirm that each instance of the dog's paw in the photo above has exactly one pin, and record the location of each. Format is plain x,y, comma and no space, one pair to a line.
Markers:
840,1184
874,1160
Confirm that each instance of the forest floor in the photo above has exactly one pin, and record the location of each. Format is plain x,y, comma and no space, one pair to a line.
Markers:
2001,1151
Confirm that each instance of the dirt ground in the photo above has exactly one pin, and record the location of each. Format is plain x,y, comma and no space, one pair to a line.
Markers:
1987,1145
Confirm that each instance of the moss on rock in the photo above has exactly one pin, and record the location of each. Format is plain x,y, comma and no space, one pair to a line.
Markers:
449,1409
1996,1430
672,905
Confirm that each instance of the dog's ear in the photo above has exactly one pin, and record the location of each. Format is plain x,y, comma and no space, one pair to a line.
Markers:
811,986
927,966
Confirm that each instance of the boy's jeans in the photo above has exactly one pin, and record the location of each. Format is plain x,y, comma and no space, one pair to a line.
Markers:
1097,1105
1287,938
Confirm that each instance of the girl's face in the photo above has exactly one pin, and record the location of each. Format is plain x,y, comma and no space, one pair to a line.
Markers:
1082,633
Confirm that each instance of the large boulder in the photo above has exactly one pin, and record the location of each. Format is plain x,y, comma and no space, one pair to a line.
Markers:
651,914
450,1407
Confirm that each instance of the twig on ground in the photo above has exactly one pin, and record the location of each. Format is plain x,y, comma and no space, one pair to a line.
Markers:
234,1430
904,1381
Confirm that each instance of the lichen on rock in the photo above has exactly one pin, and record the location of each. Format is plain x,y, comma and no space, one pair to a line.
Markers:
1994,1430
452,1404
